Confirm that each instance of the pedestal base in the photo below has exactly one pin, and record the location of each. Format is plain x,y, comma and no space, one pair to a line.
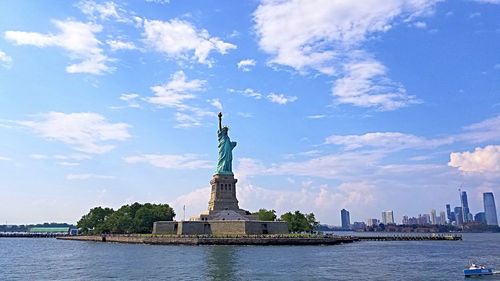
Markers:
215,228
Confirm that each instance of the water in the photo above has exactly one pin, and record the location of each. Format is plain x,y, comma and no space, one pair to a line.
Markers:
51,259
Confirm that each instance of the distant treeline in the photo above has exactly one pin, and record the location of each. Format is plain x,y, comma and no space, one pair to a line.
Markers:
26,227
135,218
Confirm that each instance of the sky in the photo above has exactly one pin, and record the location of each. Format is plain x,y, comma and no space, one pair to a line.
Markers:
363,105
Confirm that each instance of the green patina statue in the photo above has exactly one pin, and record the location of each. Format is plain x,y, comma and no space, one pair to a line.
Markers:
226,146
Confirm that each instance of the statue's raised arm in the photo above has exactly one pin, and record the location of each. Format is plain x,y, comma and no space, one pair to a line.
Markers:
220,121
226,146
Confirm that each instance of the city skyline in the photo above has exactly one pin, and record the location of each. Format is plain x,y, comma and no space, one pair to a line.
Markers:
388,105
486,216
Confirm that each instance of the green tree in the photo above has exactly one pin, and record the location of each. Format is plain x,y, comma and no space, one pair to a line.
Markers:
94,220
121,221
135,218
311,222
266,215
149,213
298,222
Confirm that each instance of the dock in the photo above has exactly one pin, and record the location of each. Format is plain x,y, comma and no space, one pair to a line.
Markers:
432,237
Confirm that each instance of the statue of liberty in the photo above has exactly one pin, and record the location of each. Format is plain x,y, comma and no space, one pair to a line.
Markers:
226,146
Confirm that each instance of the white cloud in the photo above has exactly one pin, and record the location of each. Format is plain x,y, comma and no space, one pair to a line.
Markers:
346,166
280,98
103,11
38,156
176,91
333,166
245,114
5,60
251,93
171,161
309,153
131,100
74,156
317,116
420,24
388,140
246,65
366,84
3,158
85,132
481,160
87,177
178,39
216,103
77,38
120,45
68,164
314,34
327,36
486,130
158,1
186,120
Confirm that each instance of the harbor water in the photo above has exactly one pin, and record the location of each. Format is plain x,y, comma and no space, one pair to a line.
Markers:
51,259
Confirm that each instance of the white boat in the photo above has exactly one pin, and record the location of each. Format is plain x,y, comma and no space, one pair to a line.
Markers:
477,270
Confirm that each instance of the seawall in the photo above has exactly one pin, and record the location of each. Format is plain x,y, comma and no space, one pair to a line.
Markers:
229,240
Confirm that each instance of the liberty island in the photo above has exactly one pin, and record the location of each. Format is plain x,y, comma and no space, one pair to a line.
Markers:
224,222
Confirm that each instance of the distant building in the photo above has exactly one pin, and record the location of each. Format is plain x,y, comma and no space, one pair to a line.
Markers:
358,225
424,219
345,218
490,210
412,221
465,207
450,214
453,217
405,221
372,222
442,218
50,230
480,218
388,217
433,217
459,216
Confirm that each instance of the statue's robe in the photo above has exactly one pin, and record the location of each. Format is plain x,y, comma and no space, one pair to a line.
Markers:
226,146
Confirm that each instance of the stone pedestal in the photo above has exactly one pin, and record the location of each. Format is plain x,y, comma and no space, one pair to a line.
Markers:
223,205
223,193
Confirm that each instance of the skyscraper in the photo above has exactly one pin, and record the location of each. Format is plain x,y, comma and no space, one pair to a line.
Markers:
345,218
459,216
465,207
450,214
388,217
433,217
442,218
490,210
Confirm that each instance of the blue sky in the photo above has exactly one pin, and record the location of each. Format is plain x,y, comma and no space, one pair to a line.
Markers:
360,105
